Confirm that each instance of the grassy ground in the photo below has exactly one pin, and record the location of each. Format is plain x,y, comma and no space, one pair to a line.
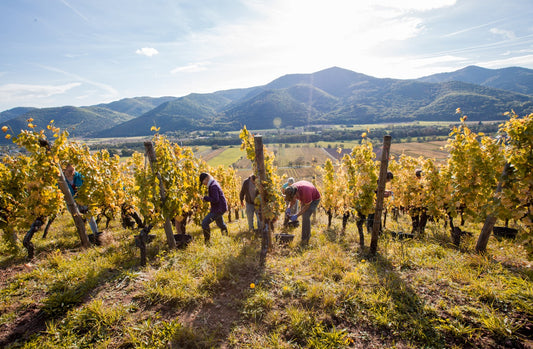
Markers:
422,293
226,156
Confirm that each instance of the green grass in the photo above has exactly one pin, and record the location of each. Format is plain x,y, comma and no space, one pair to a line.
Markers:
332,294
227,157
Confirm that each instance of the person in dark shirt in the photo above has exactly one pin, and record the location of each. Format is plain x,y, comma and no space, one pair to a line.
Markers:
248,194
219,206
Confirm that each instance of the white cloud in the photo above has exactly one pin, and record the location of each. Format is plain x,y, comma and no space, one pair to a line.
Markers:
109,89
147,51
299,33
21,91
407,67
432,62
75,11
299,36
74,55
191,68
416,5
518,61
466,30
505,33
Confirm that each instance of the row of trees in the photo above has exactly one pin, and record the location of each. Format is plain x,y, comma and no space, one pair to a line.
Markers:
312,134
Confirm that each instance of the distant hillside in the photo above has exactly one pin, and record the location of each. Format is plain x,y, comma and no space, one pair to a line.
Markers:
333,96
330,96
260,111
192,112
13,113
514,79
78,121
479,103
335,81
136,106
410,100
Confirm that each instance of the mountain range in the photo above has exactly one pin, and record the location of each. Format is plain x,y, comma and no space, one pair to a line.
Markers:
330,96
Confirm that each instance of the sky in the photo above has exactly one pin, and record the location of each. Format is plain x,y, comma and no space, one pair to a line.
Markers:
85,52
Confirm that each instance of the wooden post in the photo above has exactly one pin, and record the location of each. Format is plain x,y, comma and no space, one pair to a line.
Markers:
150,152
265,224
73,209
379,196
484,236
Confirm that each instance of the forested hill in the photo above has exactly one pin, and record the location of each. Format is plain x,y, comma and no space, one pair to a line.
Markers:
330,96
513,79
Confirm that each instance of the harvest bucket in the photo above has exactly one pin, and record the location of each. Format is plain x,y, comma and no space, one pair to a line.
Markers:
504,232
284,238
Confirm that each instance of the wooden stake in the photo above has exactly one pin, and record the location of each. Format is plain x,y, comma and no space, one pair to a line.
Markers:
379,196
73,209
484,236
266,241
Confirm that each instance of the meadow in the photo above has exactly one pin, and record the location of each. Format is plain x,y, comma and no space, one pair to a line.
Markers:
415,293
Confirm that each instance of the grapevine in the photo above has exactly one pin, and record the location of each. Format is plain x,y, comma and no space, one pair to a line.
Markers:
475,164
272,197
329,190
517,193
228,181
463,186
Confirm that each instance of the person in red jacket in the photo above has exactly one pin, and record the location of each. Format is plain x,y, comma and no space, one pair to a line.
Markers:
309,198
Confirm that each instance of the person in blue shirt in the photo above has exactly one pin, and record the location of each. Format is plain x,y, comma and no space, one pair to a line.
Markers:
75,181
290,210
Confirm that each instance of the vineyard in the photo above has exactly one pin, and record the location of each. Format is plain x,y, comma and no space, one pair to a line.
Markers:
435,281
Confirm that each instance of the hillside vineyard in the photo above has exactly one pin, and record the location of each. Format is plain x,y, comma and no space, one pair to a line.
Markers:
166,189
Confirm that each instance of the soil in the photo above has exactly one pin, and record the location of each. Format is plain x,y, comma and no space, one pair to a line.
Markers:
30,320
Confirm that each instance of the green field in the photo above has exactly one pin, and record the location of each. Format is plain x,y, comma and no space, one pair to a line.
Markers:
227,157
300,160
